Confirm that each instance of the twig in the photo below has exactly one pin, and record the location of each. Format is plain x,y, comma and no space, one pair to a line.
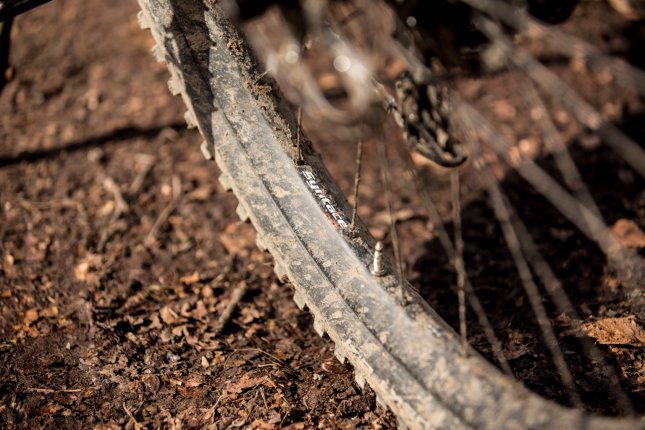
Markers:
264,399
237,295
120,207
136,423
163,216
120,204
213,409
7,345
147,161
51,390
226,270
261,351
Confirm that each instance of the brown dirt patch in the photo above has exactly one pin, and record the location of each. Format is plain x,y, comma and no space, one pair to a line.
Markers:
120,254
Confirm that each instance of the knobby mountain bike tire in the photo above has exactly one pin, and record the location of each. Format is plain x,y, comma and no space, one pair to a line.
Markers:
407,354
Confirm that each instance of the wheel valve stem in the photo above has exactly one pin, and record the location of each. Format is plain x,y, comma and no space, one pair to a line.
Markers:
376,267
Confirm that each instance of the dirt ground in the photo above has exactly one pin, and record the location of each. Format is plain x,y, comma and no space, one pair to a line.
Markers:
122,257
120,253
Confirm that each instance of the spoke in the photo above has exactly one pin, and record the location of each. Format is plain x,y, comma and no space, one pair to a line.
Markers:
561,200
628,264
503,214
629,150
572,177
385,178
357,180
565,163
626,75
560,298
298,144
459,257
449,248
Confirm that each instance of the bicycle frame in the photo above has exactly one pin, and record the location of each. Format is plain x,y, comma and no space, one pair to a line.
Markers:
12,8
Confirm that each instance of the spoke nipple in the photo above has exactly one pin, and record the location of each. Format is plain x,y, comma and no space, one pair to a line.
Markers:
376,267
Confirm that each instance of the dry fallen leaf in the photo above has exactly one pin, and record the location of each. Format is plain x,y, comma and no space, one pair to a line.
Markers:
238,238
517,346
615,331
629,233
200,310
262,425
190,279
274,417
201,194
168,316
109,426
50,312
249,314
195,380
204,362
86,270
332,366
244,383
8,266
30,316
151,383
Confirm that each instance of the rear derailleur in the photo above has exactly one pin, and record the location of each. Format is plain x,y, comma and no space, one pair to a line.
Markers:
423,114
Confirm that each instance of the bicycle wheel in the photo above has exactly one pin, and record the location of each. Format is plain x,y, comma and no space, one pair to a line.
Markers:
407,354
